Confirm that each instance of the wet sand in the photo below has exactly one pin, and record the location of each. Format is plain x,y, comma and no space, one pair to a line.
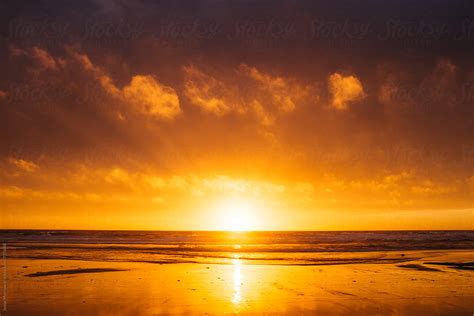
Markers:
438,283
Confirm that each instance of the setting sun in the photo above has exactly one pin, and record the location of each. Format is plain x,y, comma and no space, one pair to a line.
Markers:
236,215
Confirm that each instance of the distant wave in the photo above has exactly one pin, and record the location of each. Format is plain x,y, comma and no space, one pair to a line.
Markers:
295,237
309,248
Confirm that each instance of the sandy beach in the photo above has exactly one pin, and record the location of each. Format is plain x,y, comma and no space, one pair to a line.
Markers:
435,283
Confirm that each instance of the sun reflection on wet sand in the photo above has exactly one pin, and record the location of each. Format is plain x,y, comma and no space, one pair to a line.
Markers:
237,273
242,288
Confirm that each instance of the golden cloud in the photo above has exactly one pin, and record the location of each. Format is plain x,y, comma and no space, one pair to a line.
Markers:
24,165
150,97
284,93
144,92
44,58
248,91
395,191
40,56
265,117
344,90
23,194
205,91
98,73
12,192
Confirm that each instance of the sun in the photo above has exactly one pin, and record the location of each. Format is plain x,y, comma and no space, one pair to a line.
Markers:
236,214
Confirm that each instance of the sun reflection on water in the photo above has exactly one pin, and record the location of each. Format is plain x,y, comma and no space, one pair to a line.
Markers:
237,294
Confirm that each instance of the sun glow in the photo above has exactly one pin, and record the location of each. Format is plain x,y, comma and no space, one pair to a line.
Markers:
236,215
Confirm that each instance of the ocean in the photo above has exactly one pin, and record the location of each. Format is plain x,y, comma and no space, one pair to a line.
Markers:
280,248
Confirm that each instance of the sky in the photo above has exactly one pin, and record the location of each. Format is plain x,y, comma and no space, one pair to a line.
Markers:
204,115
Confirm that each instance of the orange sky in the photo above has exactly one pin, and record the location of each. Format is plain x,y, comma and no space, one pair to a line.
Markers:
196,121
